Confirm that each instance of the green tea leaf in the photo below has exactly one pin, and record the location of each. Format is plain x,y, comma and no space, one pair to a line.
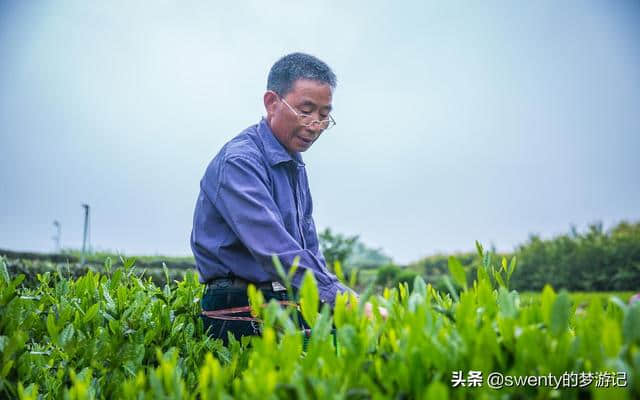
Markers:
507,303
66,335
114,325
631,324
128,262
294,266
166,274
485,298
486,260
91,313
6,368
337,267
482,275
278,266
107,265
111,305
419,286
560,314
547,299
611,338
293,269
52,329
309,299
479,249
353,278
512,267
457,272
256,300
447,282
322,325
4,273
177,328
339,311
498,277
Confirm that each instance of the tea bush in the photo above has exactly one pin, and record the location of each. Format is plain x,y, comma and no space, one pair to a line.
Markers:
119,335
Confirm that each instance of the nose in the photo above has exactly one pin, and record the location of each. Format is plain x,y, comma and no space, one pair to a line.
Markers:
315,128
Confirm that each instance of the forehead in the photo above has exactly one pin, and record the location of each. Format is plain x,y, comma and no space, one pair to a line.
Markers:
305,90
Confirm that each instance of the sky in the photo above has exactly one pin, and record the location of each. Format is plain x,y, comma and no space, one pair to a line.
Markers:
456,121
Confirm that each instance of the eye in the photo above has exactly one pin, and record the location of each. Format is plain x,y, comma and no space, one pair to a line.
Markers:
306,111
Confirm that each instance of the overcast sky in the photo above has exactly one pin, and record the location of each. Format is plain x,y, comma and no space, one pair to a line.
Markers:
456,121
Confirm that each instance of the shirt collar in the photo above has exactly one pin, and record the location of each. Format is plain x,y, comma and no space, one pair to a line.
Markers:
276,153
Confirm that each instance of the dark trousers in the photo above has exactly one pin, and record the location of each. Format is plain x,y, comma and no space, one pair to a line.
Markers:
219,297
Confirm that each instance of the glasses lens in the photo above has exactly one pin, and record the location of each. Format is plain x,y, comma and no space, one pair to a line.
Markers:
324,124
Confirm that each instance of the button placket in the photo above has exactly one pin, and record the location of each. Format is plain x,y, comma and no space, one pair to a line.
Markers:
297,199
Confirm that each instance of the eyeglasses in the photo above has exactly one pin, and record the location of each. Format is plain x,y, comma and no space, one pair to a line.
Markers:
307,121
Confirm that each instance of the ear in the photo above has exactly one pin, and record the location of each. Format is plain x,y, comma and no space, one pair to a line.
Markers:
270,102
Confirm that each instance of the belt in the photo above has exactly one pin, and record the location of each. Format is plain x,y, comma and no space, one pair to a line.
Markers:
235,282
227,313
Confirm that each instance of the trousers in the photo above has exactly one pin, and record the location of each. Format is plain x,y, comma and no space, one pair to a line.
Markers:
223,296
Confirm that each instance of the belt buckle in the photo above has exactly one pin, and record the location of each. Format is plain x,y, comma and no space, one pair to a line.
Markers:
277,286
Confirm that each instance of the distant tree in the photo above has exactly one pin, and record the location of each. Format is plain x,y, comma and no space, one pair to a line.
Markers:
350,251
391,275
364,257
336,247
387,274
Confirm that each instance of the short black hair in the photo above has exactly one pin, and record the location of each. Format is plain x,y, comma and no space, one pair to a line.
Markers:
287,70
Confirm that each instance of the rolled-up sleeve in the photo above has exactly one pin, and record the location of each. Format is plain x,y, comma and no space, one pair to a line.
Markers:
244,200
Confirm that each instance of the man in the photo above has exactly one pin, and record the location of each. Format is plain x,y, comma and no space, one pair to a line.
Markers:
255,201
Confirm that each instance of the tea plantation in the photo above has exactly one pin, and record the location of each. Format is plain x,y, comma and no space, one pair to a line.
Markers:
119,335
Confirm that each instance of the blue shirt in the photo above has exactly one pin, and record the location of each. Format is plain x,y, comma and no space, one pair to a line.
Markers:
254,202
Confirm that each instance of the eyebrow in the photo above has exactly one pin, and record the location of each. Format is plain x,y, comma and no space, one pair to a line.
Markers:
312,104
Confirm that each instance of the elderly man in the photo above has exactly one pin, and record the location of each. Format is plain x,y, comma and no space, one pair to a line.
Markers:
255,201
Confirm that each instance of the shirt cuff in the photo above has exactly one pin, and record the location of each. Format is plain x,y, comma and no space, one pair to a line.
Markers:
328,293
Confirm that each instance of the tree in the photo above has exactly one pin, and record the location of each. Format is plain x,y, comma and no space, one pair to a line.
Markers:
336,247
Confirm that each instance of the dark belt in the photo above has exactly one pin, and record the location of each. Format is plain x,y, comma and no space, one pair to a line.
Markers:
239,283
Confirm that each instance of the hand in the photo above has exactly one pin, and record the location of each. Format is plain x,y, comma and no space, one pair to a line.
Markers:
368,311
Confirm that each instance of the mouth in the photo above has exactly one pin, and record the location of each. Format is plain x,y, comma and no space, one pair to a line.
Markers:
305,141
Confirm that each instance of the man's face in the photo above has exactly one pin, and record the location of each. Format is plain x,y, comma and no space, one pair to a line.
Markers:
306,97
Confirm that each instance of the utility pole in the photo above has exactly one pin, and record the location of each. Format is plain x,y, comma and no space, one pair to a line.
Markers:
85,236
56,238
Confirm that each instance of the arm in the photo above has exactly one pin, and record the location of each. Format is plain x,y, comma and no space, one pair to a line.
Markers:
244,200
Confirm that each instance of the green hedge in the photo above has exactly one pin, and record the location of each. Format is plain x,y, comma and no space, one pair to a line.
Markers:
595,260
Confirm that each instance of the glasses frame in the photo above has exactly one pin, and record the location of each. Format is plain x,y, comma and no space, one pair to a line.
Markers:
301,117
